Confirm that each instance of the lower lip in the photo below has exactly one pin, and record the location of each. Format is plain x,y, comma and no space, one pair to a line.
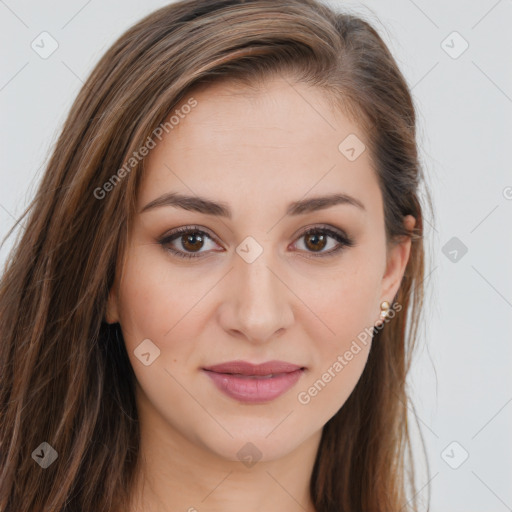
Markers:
254,390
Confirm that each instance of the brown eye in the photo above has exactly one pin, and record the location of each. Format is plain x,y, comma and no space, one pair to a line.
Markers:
318,238
315,242
186,242
192,242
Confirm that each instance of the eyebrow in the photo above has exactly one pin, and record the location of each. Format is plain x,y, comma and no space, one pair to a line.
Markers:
221,209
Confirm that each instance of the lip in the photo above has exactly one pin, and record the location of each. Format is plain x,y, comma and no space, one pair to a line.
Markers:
251,383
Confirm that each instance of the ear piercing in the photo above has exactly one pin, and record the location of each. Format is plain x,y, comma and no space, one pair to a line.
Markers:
384,310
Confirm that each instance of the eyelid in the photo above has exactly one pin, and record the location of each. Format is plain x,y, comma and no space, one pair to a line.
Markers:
192,228
341,237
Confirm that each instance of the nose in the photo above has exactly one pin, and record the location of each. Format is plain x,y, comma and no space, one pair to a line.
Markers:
259,304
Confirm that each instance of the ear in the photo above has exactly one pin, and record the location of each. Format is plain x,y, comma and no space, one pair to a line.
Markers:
397,258
111,314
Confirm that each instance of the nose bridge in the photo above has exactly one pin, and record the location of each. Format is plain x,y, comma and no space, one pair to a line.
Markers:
260,305
257,282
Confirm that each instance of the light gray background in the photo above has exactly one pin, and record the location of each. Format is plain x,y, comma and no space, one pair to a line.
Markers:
461,379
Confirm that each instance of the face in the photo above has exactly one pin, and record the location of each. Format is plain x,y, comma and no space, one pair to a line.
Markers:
265,275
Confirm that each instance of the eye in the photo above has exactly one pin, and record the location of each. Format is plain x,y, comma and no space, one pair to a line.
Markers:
317,239
190,238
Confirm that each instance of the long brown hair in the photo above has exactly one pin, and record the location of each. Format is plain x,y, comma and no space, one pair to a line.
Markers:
65,375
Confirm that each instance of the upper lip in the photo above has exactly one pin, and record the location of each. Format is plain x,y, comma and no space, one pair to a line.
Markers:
246,368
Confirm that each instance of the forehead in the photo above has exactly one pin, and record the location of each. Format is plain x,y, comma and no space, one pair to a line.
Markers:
278,137
274,112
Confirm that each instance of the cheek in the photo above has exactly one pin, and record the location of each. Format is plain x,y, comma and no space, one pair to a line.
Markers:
329,386
347,299
341,355
347,307
160,305
141,299
157,305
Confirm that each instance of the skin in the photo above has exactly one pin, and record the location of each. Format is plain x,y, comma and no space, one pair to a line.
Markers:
255,150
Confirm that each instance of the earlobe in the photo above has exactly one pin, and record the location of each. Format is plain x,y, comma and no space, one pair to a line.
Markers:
398,257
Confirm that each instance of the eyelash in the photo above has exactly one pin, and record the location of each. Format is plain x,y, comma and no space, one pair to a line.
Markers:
341,238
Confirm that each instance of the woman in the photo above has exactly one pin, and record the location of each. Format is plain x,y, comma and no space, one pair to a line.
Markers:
216,296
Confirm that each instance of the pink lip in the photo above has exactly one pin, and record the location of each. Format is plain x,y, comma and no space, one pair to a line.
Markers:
246,382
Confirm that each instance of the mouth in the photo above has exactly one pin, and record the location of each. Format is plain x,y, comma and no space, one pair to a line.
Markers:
250,383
